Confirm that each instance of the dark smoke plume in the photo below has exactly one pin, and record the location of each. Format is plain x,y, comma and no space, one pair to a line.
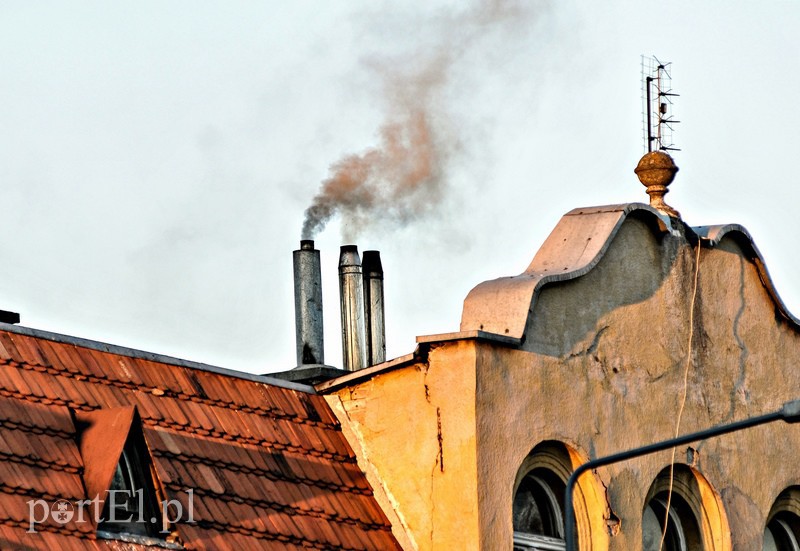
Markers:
402,178
395,181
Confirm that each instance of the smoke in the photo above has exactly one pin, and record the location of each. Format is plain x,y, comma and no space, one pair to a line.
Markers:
403,177
396,181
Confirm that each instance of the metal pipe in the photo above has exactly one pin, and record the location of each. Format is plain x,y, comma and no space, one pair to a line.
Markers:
648,82
308,305
351,293
790,412
375,330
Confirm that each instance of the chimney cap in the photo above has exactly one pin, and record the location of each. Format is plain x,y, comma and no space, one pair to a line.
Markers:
348,257
9,317
306,244
371,262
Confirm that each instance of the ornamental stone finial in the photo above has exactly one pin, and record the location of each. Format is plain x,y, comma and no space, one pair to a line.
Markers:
655,171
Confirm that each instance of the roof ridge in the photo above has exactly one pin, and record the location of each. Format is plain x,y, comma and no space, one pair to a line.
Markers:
151,356
267,473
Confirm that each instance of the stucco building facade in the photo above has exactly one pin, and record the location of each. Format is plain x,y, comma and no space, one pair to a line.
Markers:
627,328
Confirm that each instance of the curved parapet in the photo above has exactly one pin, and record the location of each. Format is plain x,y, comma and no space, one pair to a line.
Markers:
573,248
713,235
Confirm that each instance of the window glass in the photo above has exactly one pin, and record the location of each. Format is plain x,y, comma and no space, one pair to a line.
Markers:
538,504
674,520
538,507
653,528
782,533
131,505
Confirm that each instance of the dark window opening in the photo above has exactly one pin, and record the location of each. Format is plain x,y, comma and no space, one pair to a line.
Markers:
538,504
131,505
538,512
782,532
678,527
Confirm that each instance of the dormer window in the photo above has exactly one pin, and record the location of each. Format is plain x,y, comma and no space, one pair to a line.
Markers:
120,478
131,506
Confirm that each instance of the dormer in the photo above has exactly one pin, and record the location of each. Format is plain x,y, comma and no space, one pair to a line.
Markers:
124,492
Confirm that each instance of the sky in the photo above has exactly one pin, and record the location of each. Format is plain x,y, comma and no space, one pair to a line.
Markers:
157,158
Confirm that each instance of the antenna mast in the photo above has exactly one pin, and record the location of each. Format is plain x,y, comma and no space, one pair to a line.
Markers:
657,105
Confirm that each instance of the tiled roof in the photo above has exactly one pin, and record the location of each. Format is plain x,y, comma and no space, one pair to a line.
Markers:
268,465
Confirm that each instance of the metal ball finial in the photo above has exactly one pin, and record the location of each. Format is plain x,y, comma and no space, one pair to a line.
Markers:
655,171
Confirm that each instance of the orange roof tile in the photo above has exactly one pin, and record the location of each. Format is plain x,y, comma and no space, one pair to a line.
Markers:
263,462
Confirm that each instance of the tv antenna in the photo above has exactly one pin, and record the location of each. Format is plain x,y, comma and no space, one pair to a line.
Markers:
657,97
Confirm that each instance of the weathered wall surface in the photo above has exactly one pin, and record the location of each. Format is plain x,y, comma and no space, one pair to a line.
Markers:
602,370
416,430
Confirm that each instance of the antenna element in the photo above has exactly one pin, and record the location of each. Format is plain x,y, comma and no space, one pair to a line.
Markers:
657,97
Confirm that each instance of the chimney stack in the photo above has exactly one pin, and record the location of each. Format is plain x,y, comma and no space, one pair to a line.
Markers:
308,305
375,331
351,292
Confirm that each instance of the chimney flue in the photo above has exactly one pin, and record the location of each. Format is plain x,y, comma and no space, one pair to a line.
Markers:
308,305
351,292
375,330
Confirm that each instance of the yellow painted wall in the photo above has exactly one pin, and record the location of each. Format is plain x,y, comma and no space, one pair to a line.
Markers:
416,429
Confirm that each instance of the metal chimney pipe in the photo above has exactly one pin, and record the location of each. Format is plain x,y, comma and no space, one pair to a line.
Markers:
308,305
351,293
375,330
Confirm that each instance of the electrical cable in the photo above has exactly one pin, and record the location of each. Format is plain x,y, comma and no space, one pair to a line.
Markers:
683,398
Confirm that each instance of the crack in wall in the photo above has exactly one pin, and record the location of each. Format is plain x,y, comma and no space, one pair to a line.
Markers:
440,459
613,522
592,348
738,386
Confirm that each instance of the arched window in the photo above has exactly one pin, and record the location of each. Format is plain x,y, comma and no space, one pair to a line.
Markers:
538,510
684,511
782,532
682,531
538,501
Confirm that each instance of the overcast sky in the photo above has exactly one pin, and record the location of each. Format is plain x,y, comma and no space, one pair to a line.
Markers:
156,158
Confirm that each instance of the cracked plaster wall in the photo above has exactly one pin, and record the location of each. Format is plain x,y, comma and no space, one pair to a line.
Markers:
601,370
416,430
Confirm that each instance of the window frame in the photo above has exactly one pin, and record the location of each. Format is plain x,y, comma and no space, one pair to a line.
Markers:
591,506
139,479
785,512
692,494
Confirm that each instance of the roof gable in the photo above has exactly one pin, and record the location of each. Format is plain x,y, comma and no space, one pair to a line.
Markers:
102,435
576,245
